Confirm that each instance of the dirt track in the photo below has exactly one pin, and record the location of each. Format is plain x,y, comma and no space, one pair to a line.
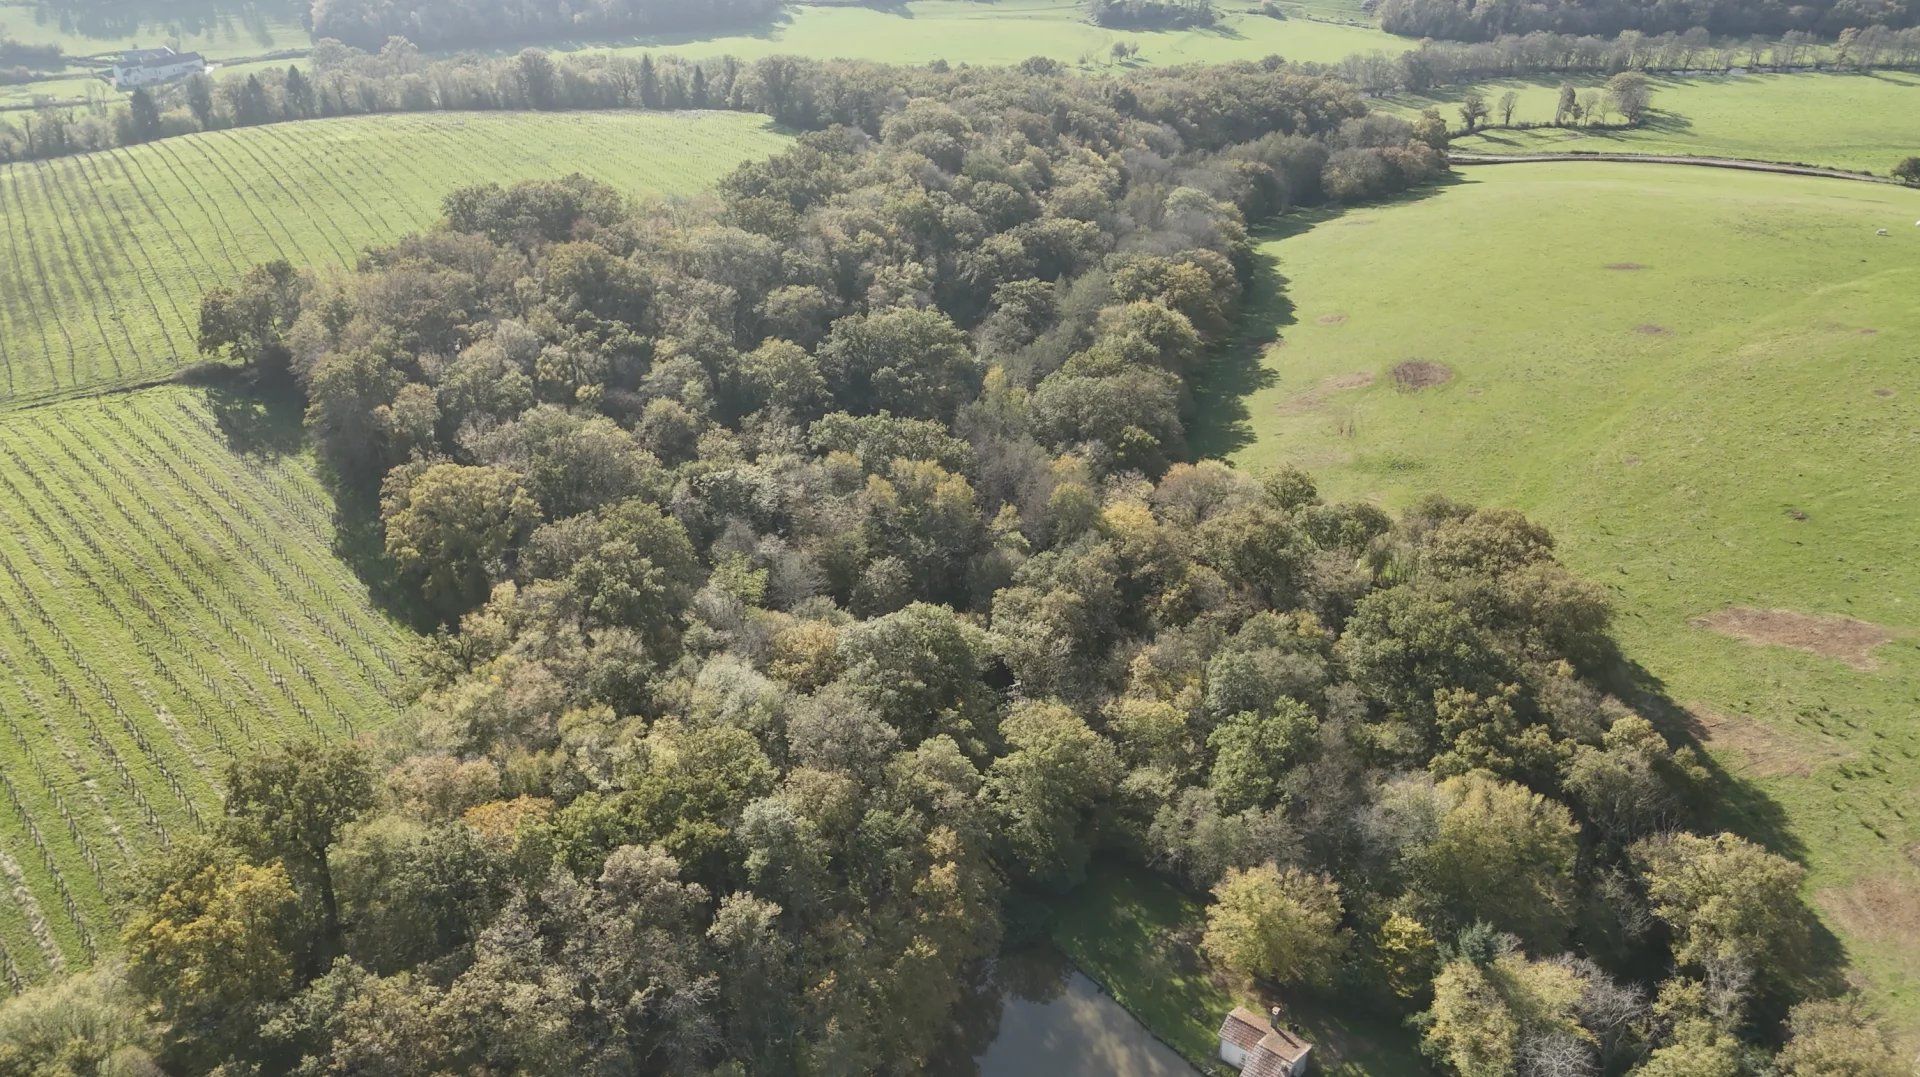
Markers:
1661,159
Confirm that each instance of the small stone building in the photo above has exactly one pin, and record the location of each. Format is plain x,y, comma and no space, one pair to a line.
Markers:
1259,1047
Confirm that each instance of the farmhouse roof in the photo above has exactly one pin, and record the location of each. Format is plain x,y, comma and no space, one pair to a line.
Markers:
1271,1050
167,59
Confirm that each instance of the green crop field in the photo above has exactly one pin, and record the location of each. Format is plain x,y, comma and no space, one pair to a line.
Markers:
1861,122
105,256
1008,31
1704,383
168,595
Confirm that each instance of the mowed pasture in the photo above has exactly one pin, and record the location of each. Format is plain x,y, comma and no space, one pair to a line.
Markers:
215,28
105,256
1861,122
1009,31
169,597
1704,383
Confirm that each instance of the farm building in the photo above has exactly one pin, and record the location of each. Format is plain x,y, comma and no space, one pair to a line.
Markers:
1259,1047
150,67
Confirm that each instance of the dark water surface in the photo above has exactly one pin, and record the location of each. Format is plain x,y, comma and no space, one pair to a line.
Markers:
1039,1017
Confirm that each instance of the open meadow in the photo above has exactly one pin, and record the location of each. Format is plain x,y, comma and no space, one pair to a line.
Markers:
1866,122
169,596
1703,382
105,256
217,29
1008,31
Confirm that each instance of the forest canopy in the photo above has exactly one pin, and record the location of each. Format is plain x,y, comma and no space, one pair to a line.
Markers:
820,566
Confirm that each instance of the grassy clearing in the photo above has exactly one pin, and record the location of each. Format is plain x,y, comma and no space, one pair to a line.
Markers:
1008,31
216,28
1861,122
1704,383
104,257
168,596
1138,936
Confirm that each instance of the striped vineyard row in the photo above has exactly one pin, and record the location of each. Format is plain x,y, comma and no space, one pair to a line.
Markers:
105,256
165,602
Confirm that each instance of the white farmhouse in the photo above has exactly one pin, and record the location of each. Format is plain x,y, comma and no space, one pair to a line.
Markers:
151,67
1259,1047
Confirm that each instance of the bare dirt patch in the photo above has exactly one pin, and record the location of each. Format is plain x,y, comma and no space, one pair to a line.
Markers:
1867,332
1884,909
1417,374
1765,751
1317,396
1843,639
1623,267
1884,393
1331,319
1652,330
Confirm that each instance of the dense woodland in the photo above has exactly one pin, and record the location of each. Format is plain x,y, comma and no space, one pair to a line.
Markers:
1478,20
437,24
820,568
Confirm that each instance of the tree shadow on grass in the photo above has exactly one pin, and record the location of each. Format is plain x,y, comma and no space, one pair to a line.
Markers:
263,418
1221,423
1739,805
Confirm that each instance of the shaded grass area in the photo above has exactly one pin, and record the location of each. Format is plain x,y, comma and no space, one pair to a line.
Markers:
1702,382
1860,122
169,597
104,256
1008,31
1138,936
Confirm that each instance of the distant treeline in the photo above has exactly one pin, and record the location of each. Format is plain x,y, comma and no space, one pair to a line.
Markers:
797,93
1466,20
454,23
1153,13
1443,63
20,62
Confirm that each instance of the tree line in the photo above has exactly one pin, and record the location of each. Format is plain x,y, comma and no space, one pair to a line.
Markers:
1468,20
21,62
1445,63
822,566
1152,13
442,24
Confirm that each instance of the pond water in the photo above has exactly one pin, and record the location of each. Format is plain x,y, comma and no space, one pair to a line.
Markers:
1040,1017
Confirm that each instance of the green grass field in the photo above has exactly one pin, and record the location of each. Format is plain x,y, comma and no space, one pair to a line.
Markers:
1008,31
217,28
1704,383
105,256
1138,936
169,595
1860,122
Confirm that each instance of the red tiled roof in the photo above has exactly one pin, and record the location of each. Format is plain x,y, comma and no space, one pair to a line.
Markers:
1271,1052
1243,1028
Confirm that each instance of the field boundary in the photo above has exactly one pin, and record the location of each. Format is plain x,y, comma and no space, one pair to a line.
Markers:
1738,163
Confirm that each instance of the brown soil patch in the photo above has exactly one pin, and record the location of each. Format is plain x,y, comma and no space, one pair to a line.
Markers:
1313,398
1417,374
1651,330
1884,393
1765,751
1883,909
1842,639
1868,332
1797,514
1331,319
1624,267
